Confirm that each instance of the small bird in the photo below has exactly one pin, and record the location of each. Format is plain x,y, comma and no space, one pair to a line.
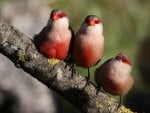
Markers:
88,43
114,76
55,38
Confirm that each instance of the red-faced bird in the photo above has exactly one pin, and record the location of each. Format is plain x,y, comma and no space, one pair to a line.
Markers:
114,76
54,39
89,43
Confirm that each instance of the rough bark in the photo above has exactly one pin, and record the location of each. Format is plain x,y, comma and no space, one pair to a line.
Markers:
21,51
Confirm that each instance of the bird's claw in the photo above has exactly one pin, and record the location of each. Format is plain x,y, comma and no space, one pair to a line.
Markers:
87,81
120,101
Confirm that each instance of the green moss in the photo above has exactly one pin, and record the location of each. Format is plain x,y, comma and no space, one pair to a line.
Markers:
110,102
23,57
98,105
87,90
123,109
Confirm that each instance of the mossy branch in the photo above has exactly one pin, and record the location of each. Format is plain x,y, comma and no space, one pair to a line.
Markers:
21,51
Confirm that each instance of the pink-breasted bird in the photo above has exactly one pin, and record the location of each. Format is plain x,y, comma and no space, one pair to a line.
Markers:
114,76
54,39
89,43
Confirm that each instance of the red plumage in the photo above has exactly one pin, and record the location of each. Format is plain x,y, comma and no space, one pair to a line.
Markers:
115,75
89,42
54,40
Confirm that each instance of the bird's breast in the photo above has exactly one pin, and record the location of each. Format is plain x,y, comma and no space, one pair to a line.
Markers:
57,44
57,50
88,50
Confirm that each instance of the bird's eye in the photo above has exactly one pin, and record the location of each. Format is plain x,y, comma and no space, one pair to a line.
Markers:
97,21
125,60
52,15
61,15
86,20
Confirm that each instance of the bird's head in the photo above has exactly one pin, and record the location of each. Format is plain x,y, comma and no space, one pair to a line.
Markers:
57,14
58,18
92,20
92,23
123,58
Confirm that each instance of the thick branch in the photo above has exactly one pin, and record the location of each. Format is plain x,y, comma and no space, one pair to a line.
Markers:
20,49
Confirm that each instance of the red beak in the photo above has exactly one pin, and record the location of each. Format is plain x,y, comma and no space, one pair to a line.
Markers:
91,23
54,16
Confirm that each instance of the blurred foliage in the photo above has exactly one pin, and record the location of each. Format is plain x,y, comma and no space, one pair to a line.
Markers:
2,1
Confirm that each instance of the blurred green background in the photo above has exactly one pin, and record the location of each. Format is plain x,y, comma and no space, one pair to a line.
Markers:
126,26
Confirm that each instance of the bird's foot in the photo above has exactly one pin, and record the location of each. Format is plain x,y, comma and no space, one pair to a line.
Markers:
120,102
98,89
53,61
87,81
72,70
72,73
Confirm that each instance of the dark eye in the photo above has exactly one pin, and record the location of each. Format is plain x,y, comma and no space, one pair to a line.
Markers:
52,15
86,20
97,21
61,15
125,60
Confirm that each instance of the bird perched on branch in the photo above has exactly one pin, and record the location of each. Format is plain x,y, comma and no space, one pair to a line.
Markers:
88,43
114,76
54,39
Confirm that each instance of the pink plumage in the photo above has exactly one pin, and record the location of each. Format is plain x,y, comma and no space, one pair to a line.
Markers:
54,40
89,42
115,75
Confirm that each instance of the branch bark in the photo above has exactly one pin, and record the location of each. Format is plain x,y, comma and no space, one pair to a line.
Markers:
21,51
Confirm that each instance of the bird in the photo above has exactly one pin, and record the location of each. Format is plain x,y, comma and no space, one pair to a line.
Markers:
54,40
88,44
114,75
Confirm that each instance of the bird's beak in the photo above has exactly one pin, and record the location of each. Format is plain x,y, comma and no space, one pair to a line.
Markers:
54,17
130,63
91,23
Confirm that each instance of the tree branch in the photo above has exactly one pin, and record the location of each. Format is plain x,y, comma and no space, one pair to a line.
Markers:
21,51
